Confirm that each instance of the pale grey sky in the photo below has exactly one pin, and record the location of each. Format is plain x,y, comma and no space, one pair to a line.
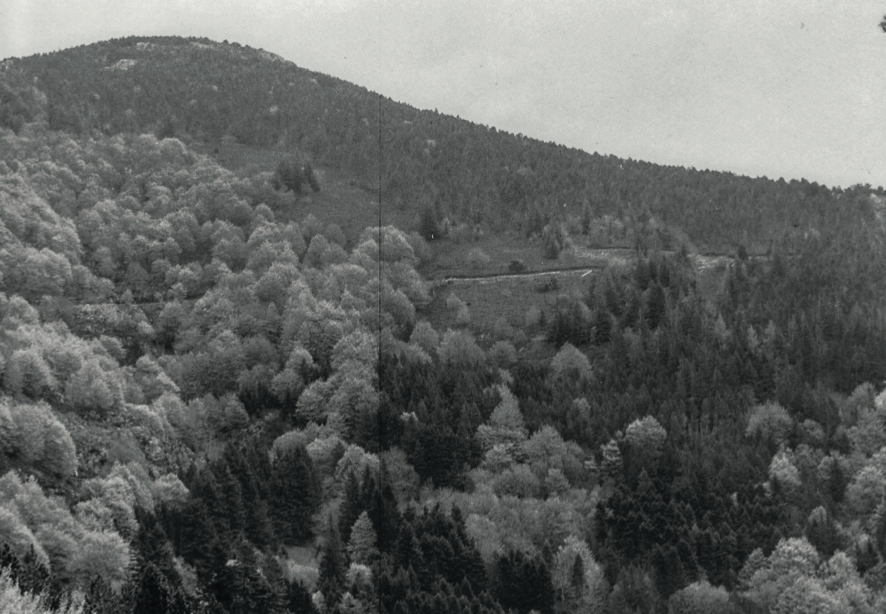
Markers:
777,87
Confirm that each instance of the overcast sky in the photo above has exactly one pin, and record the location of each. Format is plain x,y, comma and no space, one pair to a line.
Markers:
782,88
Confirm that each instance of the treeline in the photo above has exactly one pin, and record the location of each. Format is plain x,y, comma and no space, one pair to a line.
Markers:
444,168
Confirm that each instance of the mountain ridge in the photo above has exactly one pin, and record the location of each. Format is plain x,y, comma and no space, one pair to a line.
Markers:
421,162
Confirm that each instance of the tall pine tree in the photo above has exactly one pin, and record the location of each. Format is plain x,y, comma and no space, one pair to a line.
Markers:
295,495
332,567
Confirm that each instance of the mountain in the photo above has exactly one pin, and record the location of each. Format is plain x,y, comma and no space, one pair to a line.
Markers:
228,383
415,162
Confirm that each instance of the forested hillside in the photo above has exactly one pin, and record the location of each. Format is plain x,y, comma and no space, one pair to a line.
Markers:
214,401
420,161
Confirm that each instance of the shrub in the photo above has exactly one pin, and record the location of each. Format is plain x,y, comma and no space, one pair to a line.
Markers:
462,313
517,267
533,316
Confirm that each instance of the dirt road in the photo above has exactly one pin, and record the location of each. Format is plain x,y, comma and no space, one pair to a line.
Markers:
601,259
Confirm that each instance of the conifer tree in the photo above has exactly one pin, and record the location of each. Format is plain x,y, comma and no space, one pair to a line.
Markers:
669,573
612,465
332,566
351,506
524,583
152,594
199,543
361,546
246,587
407,553
27,571
602,326
152,546
298,599
257,523
577,576
101,599
381,507
656,306
295,495
205,489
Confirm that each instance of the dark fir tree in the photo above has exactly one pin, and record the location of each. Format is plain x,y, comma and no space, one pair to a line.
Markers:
27,571
152,546
152,594
351,507
524,583
332,566
100,598
294,495
298,599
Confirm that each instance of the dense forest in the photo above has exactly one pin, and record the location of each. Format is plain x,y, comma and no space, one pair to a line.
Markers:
211,401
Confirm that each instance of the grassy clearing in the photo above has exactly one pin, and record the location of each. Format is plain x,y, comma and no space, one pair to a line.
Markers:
236,157
543,284
339,201
512,296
